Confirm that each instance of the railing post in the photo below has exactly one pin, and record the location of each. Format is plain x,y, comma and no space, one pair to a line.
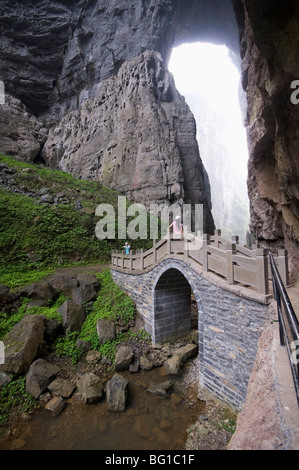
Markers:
235,239
186,248
217,233
205,243
262,282
141,260
283,266
154,250
230,251
168,249
131,260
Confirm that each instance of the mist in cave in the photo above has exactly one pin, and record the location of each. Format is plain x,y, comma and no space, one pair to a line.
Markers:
208,77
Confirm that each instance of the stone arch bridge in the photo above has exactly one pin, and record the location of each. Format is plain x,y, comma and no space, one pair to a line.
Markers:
230,285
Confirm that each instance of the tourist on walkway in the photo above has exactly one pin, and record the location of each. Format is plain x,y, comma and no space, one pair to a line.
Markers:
127,248
177,226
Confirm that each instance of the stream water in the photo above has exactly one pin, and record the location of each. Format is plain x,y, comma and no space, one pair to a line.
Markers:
150,422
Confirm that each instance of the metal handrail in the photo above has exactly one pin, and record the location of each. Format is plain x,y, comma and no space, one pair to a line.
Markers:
287,321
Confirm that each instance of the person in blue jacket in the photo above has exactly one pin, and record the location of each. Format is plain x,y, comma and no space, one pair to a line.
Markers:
127,248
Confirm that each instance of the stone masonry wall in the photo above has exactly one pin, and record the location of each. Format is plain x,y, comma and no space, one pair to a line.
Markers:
229,325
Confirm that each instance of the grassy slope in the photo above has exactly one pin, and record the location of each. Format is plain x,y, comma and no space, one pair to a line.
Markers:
36,237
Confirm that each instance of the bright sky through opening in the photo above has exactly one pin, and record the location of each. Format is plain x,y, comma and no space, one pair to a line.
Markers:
206,69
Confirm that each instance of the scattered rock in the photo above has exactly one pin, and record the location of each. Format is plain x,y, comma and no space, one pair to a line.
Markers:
145,363
105,330
163,389
83,344
87,289
134,366
93,357
4,294
55,405
39,376
64,283
90,388
40,290
61,387
53,330
174,364
22,344
47,198
73,315
4,379
123,358
117,393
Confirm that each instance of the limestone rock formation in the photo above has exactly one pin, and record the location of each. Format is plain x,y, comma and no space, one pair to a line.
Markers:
269,40
137,136
21,133
68,61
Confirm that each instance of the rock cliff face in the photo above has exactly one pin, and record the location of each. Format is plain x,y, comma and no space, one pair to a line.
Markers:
269,39
137,136
60,58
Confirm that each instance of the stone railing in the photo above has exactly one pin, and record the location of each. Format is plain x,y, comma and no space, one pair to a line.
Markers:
227,259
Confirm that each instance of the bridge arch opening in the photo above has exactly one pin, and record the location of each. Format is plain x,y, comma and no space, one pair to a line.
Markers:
175,310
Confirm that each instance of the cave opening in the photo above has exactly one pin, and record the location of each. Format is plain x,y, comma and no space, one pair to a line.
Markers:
208,76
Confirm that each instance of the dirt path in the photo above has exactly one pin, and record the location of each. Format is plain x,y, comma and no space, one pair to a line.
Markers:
95,268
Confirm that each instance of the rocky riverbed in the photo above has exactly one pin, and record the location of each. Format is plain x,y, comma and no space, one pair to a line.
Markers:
148,398
155,417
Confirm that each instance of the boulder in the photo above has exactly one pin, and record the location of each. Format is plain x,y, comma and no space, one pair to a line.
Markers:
92,357
146,363
22,344
53,330
88,287
105,330
4,378
134,366
41,373
61,387
123,358
85,345
39,290
73,315
163,389
63,283
4,295
90,388
117,393
173,365
55,406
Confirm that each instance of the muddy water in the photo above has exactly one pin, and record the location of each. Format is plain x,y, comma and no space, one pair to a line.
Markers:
149,422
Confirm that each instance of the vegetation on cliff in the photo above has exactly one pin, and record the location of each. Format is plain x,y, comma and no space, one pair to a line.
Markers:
47,219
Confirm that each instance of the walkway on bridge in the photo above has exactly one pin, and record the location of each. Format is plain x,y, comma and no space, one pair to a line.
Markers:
245,270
